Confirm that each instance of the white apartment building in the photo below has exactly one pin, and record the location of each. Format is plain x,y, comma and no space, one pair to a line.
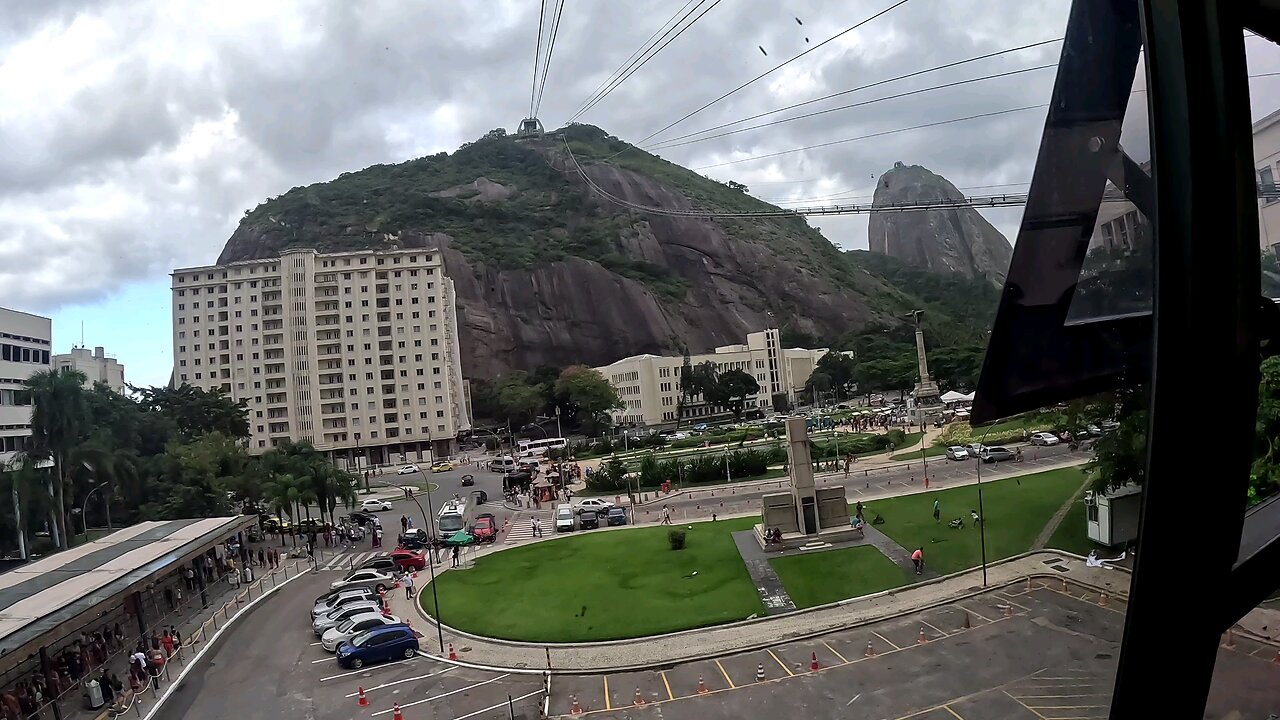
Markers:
1266,159
355,351
24,349
96,365
650,384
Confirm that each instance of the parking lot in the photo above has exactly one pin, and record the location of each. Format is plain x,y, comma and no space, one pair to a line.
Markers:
1045,653
273,666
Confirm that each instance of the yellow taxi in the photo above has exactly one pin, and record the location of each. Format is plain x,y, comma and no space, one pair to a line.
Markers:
441,466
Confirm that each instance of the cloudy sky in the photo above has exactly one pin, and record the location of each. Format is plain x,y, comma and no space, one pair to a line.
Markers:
136,134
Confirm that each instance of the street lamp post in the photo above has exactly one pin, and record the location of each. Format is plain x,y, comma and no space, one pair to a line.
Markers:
431,565
85,506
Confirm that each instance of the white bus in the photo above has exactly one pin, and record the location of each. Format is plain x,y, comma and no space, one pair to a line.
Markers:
538,448
454,515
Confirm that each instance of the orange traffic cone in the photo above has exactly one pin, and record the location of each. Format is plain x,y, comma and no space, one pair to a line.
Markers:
1065,588
967,624
574,707
1276,659
1102,601
452,655
363,701
639,699
702,687
1008,611
1029,587
813,661
871,652
395,712
921,639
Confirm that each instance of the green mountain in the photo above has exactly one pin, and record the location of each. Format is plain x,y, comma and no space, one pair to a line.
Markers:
550,272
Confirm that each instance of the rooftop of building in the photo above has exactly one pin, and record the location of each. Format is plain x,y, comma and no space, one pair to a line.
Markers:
270,260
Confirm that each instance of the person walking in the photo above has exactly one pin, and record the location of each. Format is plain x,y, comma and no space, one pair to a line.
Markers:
190,576
404,523
456,550
533,524
666,515
261,558
408,585
937,512
917,559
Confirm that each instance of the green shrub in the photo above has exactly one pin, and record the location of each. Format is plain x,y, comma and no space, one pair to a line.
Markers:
676,538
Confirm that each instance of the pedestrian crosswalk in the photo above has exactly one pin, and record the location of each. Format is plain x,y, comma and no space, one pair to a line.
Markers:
346,560
522,525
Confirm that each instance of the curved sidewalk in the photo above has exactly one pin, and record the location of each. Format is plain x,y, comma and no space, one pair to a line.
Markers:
662,650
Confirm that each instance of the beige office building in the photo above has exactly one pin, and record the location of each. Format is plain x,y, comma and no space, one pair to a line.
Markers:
97,366
650,384
355,351
25,340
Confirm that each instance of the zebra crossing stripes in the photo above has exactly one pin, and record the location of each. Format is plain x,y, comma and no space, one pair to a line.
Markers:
348,560
522,525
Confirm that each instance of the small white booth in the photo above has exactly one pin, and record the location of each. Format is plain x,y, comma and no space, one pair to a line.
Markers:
1113,516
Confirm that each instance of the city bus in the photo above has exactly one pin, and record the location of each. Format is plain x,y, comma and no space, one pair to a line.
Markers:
454,515
538,448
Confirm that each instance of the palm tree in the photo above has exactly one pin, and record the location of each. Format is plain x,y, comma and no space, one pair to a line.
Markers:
58,423
281,493
25,481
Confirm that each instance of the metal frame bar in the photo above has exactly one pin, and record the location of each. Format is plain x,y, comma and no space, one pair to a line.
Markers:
1205,316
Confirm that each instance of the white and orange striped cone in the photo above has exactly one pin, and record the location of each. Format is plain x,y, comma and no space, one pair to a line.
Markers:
813,662
1065,587
395,712
760,672
968,625
922,638
1008,611
363,701
639,698
871,651
1102,601
702,687
452,655
574,707
1230,640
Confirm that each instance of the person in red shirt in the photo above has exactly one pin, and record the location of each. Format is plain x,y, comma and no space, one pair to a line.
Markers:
917,558
167,641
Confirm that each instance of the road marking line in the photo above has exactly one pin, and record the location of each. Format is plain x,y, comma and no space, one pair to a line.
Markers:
608,704
1028,707
936,629
1041,697
398,682
725,674
670,695
887,640
314,662
1024,608
975,613
835,652
953,712
444,695
314,644
495,707
779,661
1065,707
365,670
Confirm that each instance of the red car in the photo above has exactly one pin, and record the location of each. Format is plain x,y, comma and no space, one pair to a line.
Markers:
409,559
485,529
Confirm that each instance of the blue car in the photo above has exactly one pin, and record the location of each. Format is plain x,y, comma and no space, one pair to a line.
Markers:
390,642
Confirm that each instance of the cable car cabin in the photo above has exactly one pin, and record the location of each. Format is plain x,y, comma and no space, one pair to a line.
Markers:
531,128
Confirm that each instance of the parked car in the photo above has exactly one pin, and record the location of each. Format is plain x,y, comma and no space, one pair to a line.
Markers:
564,518
413,539
996,454
502,464
588,521
362,517
409,559
378,645
344,613
974,449
1044,439
374,505
441,466
955,452
597,505
381,561
353,626
468,480
307,526
407,469
616,516
326,604
485,528
379,579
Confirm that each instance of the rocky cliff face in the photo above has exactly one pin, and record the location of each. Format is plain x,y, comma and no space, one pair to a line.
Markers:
957,240
556,274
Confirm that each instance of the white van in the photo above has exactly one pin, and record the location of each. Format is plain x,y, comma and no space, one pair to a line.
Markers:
503,464
564,518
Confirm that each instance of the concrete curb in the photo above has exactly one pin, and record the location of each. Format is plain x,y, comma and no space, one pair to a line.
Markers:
621,644
211,641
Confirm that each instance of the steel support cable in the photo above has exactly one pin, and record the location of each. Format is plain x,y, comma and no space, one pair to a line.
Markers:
651,54
868,86
627,63
773,69
551,48
537,54
918,91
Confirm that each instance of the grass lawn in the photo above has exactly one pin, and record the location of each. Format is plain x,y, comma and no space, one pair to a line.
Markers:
817,578
1072,535
602,586
1016,511
932,451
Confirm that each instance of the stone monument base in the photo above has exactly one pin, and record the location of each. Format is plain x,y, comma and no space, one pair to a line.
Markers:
795,540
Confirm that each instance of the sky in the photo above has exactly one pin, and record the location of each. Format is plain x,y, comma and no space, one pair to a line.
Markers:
136,134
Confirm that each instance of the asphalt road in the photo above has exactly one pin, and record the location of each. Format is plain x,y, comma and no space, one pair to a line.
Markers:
268,668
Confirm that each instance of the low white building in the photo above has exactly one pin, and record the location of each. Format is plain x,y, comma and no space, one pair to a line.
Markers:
650,384
96,365
1112,516
25,340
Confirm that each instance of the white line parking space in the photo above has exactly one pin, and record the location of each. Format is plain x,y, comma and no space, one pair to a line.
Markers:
415,678
433,698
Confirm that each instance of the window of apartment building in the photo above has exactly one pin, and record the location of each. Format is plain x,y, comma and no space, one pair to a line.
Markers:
436,385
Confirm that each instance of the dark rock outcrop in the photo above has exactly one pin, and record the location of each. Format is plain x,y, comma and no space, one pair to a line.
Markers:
957,240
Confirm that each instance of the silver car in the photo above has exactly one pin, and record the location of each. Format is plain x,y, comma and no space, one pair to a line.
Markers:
344,613
955,452
353,626
333,600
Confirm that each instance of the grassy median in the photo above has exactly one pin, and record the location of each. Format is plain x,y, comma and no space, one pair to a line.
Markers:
817,578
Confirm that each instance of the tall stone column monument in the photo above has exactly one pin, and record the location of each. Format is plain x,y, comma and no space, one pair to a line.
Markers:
926,391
